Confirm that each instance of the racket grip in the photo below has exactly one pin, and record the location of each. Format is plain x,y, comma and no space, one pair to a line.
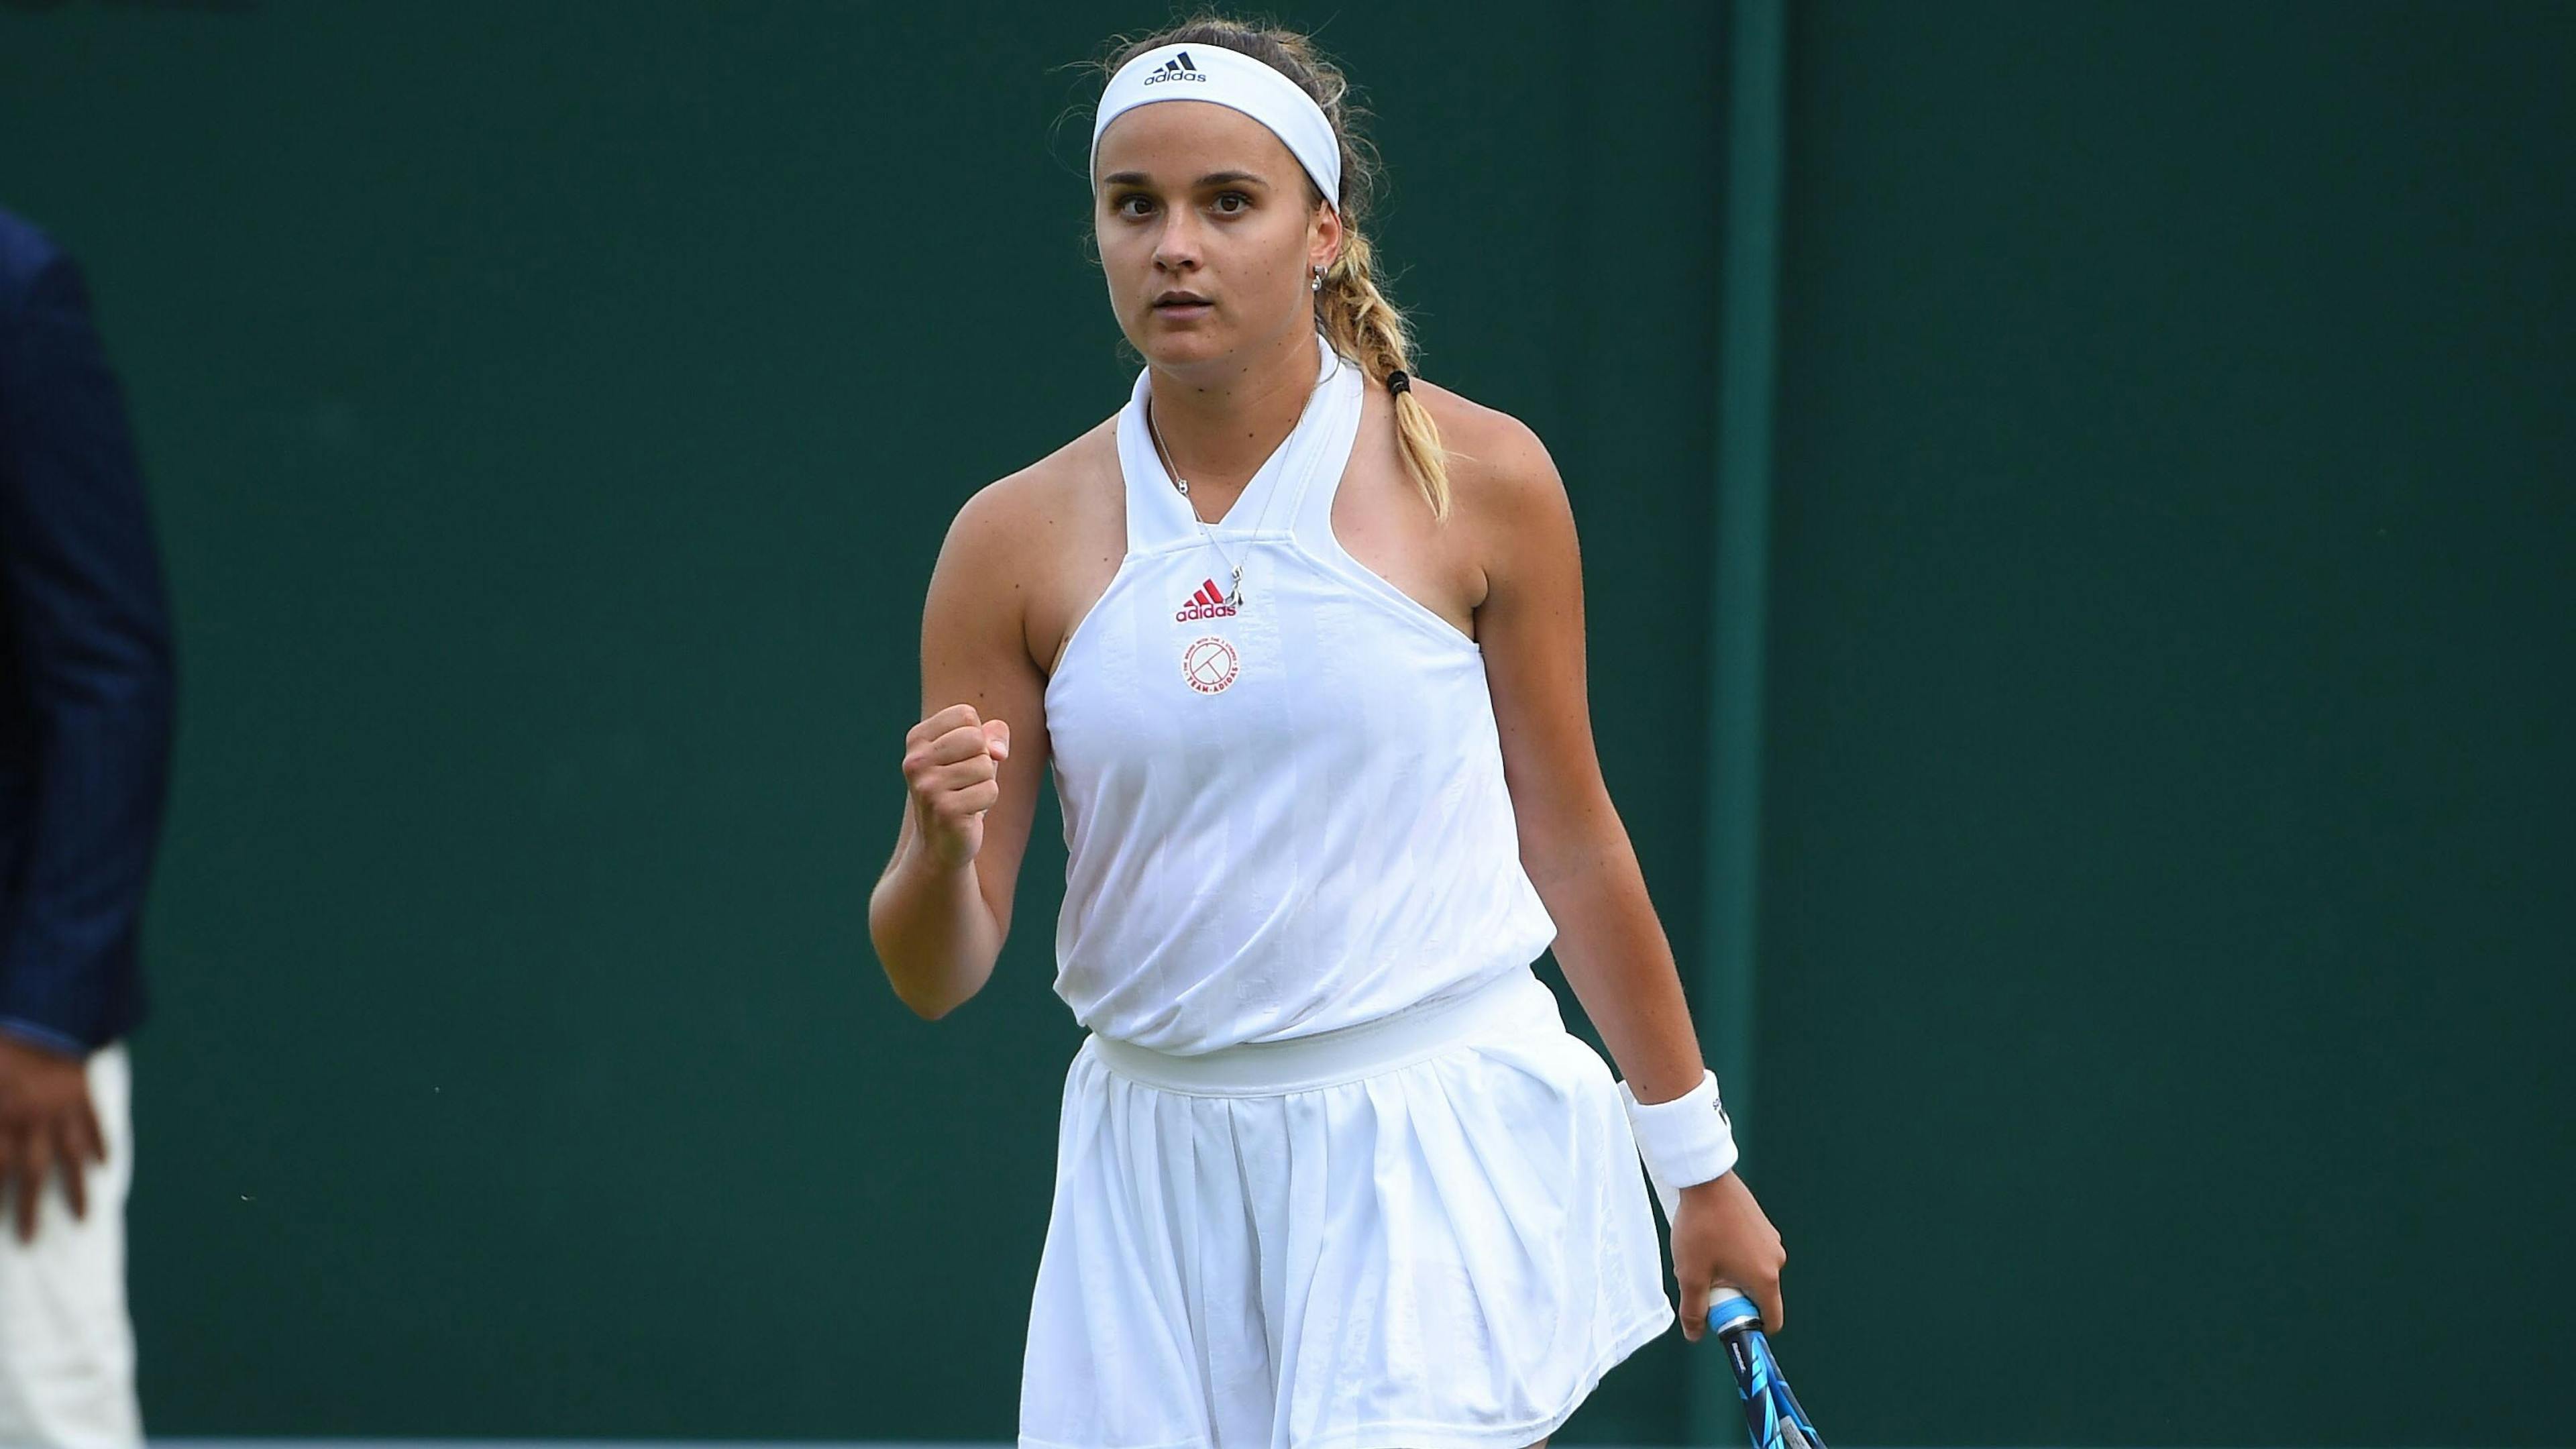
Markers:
1773,1418
1731,1310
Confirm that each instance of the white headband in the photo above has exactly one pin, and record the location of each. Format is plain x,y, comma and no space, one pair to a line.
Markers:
1199,72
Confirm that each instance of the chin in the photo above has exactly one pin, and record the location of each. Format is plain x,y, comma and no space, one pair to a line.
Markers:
1168,346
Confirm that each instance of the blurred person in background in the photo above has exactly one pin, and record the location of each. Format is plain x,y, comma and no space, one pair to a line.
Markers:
85,727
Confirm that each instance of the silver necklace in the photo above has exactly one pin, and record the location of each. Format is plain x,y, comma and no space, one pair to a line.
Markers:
1173,471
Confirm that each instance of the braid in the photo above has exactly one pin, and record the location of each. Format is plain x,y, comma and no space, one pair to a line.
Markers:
1364,326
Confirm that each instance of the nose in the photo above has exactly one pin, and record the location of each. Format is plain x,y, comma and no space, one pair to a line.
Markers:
1176,247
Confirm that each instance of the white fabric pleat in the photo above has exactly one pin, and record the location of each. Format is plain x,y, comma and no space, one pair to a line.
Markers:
1447,1255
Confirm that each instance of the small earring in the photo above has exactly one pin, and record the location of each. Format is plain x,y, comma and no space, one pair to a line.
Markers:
1319,279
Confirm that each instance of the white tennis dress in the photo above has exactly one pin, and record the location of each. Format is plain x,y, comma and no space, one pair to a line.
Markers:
1331,1172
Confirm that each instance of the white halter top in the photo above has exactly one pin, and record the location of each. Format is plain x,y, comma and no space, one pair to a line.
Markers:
1282,820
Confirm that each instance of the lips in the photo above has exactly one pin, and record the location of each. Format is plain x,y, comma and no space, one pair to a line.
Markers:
1171,300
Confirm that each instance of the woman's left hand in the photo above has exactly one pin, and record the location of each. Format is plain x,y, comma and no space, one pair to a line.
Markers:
1720,1237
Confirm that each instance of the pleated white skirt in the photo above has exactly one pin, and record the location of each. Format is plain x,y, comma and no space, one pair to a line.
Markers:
1428,1231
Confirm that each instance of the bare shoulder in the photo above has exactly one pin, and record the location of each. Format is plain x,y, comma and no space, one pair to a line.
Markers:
1501,476
1019,516
1019,541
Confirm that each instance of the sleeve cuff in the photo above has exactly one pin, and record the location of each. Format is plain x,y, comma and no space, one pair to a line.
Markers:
44,1036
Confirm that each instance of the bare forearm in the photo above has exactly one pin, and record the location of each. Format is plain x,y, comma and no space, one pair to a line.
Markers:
933,930
1621,966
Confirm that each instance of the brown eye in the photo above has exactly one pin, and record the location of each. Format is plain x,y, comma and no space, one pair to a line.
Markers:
1225,196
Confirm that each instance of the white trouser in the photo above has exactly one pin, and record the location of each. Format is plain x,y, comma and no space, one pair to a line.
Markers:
66,1345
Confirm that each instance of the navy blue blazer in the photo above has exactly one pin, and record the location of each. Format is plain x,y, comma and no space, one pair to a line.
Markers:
86,684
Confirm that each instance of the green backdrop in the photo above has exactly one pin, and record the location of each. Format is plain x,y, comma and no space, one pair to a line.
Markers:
553,412
2166,986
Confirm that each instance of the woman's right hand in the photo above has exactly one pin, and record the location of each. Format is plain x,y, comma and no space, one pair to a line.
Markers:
951,762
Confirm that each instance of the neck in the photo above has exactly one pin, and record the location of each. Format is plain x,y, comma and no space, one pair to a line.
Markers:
1220,422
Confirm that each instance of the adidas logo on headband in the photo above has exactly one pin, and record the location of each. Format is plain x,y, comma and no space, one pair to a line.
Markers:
1178,68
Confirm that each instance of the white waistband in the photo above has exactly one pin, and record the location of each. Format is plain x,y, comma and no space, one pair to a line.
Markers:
1516,1000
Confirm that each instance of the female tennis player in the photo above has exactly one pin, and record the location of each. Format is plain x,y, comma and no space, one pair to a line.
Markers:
1303,638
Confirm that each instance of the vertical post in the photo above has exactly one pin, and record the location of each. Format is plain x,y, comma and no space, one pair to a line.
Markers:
1747,312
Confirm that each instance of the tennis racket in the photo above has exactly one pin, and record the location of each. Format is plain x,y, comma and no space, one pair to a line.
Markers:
1771,1412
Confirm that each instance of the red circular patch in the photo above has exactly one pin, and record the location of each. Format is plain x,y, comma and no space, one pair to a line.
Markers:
1209,664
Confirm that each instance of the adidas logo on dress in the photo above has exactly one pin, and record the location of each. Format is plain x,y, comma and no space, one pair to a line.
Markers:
1207,603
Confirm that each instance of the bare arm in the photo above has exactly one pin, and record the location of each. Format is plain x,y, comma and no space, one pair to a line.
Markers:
1573,844
1578,854
942,907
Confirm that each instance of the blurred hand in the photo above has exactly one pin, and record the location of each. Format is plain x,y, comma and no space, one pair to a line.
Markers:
1721,1238
46,1122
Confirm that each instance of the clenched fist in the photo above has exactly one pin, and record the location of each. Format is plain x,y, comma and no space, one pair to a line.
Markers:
951,763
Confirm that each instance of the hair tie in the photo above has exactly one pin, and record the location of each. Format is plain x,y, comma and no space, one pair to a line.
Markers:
1397,382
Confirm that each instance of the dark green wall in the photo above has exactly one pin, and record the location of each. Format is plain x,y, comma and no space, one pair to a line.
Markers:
2166,993
553,413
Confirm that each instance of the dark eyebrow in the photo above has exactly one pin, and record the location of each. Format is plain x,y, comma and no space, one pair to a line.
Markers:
1213,178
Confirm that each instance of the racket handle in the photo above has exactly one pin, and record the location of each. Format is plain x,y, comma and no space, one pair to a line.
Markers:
1731,1310
1773,1417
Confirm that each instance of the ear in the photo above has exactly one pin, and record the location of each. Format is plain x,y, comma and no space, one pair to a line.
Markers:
1324,236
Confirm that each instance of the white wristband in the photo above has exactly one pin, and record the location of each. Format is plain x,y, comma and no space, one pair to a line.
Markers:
1683,1142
